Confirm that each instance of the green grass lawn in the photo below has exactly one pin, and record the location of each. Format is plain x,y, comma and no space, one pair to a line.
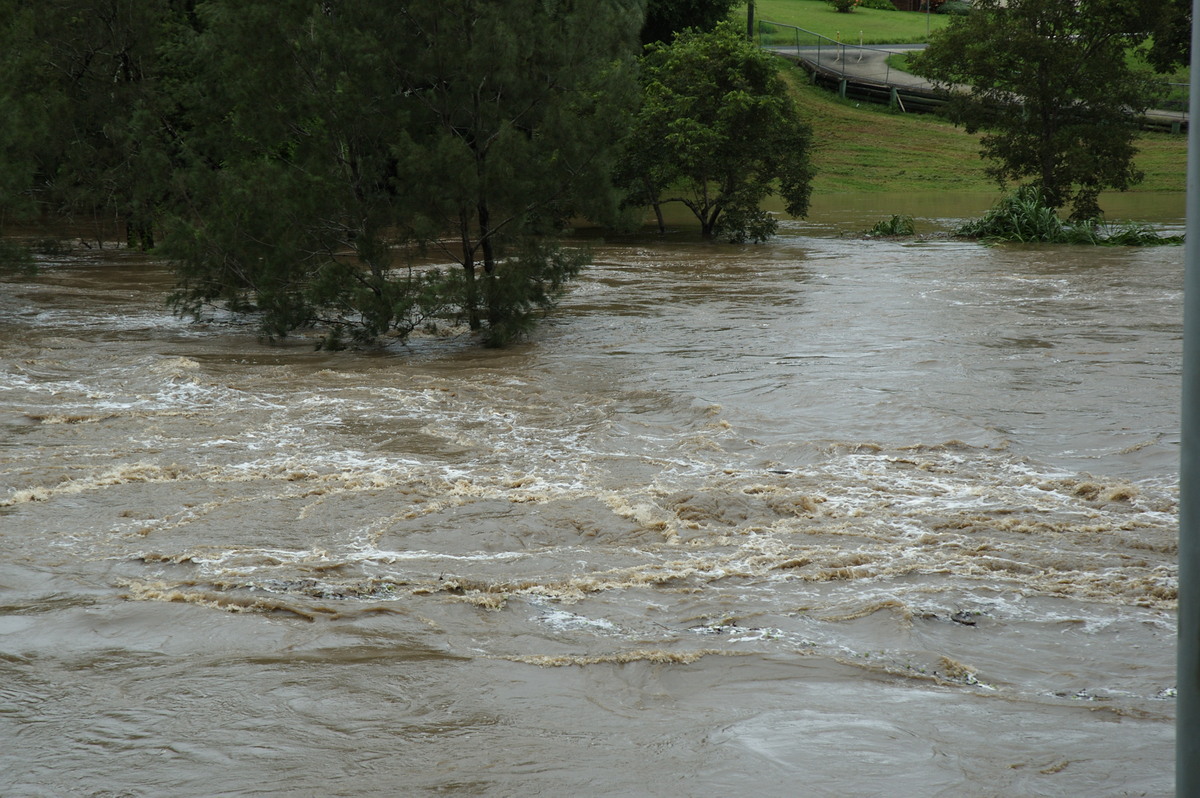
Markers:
866,147
874,26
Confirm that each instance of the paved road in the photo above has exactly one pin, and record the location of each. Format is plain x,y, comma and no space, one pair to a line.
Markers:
869,64
861,63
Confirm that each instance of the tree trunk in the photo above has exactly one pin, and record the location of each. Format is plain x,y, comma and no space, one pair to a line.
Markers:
708,222
471,291
494,311
139,235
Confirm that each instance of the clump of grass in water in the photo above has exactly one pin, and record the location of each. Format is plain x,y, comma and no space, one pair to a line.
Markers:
895,226
1024,217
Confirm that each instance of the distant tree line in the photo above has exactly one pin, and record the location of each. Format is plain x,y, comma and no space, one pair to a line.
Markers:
301,159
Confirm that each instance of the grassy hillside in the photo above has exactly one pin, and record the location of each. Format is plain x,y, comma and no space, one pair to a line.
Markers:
866,147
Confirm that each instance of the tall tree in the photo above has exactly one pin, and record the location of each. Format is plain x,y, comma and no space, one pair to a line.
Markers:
665,18
519,106
339,136
1171,35
718,132
26,115
291,206
1049,83
79,81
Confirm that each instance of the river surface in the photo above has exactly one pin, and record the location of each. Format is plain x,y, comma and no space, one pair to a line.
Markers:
821,517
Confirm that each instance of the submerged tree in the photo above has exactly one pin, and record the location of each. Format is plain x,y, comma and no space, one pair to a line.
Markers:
1049,83
290,206
340,139
516,110
296,158
719,133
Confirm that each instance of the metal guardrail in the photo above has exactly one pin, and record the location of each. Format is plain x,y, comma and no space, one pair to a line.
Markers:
829,54
863,72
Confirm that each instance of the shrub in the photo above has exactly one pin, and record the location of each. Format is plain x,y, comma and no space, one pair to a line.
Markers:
896,226
1024,217
959,8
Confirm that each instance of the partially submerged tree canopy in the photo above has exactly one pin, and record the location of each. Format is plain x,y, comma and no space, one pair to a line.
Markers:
1049,83
352,129
296,153
718,132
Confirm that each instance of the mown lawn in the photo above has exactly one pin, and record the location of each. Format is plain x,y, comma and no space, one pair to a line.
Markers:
874,26
866,147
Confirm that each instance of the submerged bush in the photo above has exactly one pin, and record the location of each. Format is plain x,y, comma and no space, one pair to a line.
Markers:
895,226
1133,235
1025,217
1022,216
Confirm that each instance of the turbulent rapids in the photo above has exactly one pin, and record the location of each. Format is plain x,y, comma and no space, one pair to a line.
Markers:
828,507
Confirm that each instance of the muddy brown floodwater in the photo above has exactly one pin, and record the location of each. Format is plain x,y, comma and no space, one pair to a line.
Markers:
823,517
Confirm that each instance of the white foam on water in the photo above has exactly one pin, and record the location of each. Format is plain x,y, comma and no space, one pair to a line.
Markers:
570,621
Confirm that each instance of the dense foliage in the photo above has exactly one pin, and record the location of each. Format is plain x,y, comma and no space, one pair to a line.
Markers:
1171,35
85,98
1049,83
665,18
372,167
718,132
456,127
306,161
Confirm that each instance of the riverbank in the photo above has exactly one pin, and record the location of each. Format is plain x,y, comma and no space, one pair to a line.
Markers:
862,147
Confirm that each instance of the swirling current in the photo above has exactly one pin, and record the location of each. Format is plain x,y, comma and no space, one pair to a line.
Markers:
870,517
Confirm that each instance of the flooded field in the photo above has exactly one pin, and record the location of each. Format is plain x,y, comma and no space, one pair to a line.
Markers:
876,518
